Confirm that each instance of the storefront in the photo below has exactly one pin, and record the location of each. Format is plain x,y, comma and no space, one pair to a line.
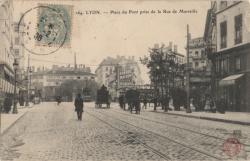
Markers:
232,89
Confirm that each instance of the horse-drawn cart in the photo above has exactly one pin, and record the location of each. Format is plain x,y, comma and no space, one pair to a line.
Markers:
102,97
133,100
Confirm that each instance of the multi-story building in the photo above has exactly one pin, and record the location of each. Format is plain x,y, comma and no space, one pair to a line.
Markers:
200,67
48,80
6,47
117,73
18,48
232,55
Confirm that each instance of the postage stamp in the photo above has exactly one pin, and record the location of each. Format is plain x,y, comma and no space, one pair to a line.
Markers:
47,28
54,25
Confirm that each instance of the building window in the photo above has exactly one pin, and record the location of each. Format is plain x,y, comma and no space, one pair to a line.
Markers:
17,41
16,28
196,64
238,29
225,66
16,52
237,63
202,53
107,68
196,53
223,5
223,34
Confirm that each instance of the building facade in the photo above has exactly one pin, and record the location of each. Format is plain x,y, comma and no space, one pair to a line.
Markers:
200,73
46,81
18,48
117,73
232,56
6,47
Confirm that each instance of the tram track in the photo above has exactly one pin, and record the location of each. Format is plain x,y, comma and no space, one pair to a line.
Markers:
190,148
171,125
142,143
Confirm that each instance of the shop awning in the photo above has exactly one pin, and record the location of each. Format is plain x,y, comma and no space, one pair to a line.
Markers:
230,80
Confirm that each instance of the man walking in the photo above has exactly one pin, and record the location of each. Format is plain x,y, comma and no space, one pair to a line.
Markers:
145,101
79,106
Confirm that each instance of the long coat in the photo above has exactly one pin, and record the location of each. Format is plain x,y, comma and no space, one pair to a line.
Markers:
79,104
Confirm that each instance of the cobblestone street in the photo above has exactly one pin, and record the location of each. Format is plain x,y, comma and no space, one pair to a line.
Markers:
49,132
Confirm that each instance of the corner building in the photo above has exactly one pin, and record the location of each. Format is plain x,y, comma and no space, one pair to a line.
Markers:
232,56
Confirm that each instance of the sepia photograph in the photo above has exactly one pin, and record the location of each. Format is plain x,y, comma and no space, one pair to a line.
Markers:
124,80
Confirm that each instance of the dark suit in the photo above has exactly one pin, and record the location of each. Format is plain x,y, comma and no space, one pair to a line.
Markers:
79,107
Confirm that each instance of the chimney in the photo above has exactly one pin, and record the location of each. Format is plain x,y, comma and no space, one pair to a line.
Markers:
133,57
170,45
175,48
156,46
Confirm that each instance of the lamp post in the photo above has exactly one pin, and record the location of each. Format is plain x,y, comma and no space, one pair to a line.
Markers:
188,109
1,106
15,66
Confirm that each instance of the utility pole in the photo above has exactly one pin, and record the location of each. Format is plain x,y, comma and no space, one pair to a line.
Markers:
117,78
28,82
75,65
1,107
188,110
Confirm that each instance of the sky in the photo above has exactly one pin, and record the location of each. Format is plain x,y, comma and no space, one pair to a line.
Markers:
96,36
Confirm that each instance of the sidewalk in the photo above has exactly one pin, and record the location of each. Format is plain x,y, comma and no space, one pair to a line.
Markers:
7,120
242,118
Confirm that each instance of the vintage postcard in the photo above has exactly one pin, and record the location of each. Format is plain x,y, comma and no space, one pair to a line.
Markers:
127,80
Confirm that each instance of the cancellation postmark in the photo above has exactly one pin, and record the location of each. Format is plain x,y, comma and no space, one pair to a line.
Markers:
49,30
232,147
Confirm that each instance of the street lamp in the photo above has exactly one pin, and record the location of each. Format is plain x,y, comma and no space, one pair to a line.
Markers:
15,66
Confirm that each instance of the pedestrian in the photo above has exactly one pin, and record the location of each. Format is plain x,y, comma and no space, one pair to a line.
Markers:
79,106
155,102
122,101
59,100
212,105
145,102
7,104
207,104
109,101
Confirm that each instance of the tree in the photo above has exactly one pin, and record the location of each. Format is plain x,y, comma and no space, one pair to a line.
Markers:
67,88
161,65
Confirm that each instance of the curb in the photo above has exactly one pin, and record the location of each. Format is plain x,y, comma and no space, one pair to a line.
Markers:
8,128
207,118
